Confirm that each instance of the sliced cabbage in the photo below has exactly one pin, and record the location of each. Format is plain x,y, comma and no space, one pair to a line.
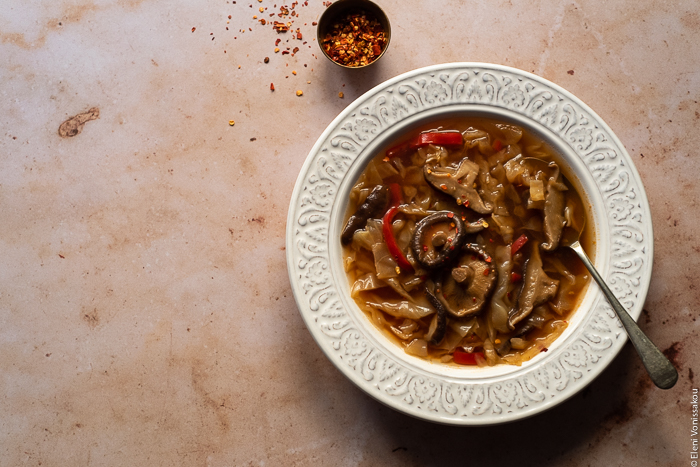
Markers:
367,282
537,190
511,133
418,348
402,308
404,331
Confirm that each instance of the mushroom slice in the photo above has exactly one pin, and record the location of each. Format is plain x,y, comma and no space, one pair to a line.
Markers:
458,182
554,205
537,289
476,226
431,254
438,326
374,204
464,289
503,348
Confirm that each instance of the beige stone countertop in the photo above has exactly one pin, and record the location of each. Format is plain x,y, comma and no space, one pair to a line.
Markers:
146,315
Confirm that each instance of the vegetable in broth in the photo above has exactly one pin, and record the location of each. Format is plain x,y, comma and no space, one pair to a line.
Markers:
451,243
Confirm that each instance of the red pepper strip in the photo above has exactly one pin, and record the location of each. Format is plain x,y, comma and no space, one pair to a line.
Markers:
394,249
447,138
497,145
464,358
518,244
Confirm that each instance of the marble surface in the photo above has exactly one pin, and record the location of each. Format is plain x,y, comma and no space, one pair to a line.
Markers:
146,316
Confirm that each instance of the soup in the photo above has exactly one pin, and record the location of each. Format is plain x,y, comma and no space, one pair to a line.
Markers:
452,243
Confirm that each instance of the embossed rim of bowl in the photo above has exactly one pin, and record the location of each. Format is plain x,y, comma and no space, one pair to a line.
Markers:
440,393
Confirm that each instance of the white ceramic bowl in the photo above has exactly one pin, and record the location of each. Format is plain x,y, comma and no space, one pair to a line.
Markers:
444,393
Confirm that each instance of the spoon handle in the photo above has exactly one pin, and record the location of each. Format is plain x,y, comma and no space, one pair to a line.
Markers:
660,369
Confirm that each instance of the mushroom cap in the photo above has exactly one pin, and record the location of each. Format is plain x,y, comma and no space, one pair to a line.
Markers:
429,256
468,297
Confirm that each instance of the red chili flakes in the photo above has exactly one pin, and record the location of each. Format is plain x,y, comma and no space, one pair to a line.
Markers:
299,35
285,52
272,86
544,349
356,40
277,42
280,27
486,271
193,29
425,247
295,50
314,23
450,215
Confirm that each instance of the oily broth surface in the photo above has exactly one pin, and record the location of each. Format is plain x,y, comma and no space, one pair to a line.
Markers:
358,260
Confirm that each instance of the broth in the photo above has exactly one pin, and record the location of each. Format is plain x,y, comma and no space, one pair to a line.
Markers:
451,243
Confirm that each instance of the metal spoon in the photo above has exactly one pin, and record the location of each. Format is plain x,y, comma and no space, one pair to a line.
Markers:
660,369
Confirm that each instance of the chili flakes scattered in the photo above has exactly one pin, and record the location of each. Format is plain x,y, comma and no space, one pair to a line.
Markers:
356,40
280,27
